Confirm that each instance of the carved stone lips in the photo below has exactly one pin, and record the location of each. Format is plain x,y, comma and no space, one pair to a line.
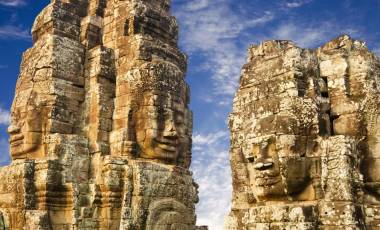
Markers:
16,139
15,136
167,148
262,165
167,144
267,178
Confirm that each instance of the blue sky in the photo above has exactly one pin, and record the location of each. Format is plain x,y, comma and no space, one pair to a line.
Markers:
215,34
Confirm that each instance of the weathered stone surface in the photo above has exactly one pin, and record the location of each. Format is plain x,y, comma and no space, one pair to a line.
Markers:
304,138
100,132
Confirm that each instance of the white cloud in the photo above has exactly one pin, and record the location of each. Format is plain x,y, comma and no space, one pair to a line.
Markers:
4,146
4,152
219,31
197,5
13,32
13,3
4,117
297,4
213,29
212,172
309,35
209,139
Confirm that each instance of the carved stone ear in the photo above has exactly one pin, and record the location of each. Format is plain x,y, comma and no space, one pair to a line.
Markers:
132,26
131,132
127,27
130,146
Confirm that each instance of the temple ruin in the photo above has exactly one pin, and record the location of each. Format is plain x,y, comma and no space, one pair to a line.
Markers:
100,134
305,138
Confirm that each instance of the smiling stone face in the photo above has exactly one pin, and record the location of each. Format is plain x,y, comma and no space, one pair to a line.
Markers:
26,126
305,138
276,163
152,115
274,119
161,127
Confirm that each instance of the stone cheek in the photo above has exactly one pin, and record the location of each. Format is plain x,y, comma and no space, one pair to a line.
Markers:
304,138
101,126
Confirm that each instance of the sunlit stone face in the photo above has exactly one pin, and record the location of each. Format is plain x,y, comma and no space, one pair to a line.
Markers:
264,169
162,130
25,129
276,163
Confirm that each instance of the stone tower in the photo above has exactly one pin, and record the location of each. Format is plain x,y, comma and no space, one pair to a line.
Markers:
305,138
100,133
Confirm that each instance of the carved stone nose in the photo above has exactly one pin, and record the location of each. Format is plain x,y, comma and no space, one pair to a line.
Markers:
13,129
170,126
170,130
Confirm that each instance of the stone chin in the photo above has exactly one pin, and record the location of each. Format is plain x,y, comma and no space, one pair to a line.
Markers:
23,143
272,184
268,188
21,150
19,146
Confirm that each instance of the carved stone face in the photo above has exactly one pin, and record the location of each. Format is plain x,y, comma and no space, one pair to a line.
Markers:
161,127
276,163
26,128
